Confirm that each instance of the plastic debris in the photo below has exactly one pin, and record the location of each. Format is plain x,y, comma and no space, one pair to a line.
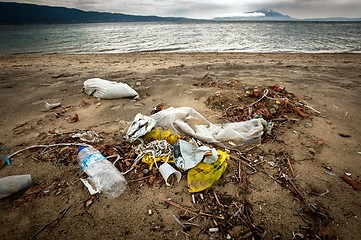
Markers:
49,106
87,136
187,156
13,184
187,120
105,89
162,134
205,175
140,126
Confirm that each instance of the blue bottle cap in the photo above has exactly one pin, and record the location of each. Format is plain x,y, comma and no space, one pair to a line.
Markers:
81,148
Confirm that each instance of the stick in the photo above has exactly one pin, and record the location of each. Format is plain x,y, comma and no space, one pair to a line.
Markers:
61,215
179,222
247,164
291,168
217,199
296,189
47,146
174,204
140,179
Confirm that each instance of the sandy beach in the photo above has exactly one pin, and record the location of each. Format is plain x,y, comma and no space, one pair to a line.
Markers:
316,150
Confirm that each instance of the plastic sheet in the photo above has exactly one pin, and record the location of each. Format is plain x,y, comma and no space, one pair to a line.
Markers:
231,135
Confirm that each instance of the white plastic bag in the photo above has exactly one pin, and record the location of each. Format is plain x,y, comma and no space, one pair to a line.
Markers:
105,89
140,126
187,156
230,135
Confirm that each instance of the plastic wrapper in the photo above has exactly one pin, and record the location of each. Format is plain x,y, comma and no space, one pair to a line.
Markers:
230,135
205,175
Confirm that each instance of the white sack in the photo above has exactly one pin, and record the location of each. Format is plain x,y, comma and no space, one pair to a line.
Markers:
231,135
101,88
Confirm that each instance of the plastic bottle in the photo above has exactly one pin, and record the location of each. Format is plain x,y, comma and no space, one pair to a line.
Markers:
13,184
101,172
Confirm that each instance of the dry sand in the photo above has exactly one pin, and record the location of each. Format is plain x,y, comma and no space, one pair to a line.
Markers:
331,83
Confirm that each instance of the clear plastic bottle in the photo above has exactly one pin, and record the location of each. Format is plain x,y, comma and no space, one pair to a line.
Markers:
101,172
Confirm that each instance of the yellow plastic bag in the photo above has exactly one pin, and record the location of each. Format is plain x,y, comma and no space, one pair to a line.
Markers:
161,134
205,175
148,158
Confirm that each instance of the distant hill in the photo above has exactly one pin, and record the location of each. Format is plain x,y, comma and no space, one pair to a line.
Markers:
258,15
21,13
270,15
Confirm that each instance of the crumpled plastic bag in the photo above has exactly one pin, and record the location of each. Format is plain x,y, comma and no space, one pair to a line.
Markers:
230,135
140,126
105,89
187,156
205,175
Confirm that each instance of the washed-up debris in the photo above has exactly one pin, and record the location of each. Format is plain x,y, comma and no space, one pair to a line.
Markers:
272,103
87,136
140,126
231,135
187,156
354,183
101,88
13,184
73,118
49,106
345,135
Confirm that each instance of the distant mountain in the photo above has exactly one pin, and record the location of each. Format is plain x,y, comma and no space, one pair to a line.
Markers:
270,15
21,13
259,15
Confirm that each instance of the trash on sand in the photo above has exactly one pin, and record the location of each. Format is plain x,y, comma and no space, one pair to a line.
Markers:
162,134
159,150
167,170
105,176
140,126
73,118
87,136
105,89
13,184
205,175
187,156
88,184
7,160
49,106
344,135
187,120
356,185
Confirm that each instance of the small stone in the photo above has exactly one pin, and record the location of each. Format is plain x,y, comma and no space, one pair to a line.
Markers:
312,151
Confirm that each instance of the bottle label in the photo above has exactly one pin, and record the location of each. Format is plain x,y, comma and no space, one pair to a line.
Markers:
90,159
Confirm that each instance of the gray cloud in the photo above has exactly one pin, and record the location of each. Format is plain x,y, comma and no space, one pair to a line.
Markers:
212,8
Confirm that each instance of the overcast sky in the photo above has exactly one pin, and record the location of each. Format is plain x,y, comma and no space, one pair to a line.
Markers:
213,8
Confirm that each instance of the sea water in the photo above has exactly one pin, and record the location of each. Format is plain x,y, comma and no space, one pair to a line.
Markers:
300,37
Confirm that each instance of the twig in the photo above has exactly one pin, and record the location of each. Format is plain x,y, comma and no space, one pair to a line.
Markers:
296,189
180,223
48,146
140,179
246,163
309,107
291,168
174,204
219,203
61,214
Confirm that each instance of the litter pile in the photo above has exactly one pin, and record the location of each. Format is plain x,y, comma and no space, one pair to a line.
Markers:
173,142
